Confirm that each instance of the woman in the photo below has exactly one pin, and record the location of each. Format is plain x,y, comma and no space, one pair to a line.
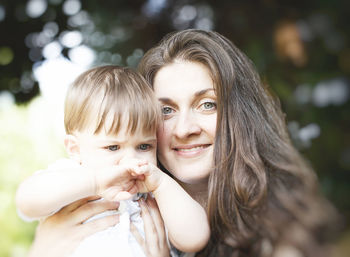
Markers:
224,139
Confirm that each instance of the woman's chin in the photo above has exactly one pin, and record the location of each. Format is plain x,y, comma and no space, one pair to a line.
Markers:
193,179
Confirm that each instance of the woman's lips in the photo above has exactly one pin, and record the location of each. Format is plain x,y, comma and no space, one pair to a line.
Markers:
190,150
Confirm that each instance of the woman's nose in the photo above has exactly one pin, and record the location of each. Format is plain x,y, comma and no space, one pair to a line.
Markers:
186,125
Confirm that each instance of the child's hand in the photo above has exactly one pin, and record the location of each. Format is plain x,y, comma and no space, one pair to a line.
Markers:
141,166
119,181
152,179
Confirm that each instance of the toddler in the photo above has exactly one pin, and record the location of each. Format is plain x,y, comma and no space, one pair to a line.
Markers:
111,117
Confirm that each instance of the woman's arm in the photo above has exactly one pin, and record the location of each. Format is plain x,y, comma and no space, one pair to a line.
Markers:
60,234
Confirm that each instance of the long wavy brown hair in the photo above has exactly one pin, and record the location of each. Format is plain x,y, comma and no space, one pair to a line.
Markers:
263,197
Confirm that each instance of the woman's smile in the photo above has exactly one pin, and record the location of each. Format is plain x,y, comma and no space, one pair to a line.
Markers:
193,150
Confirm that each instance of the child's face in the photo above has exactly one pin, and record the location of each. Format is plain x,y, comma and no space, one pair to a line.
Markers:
101,150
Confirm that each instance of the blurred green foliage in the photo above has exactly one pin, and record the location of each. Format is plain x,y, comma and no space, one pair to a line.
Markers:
300,48
22,151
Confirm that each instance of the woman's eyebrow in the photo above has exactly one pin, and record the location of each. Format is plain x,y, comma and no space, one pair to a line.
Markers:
203,92
167,100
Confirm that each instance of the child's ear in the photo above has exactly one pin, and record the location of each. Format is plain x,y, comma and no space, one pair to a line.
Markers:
72,147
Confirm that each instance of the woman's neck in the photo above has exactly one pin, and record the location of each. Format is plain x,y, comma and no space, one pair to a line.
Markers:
198,191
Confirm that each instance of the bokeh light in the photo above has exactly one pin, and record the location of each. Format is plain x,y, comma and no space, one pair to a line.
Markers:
2,13
36,8
6,55
82,55
52,50
71,7
71,39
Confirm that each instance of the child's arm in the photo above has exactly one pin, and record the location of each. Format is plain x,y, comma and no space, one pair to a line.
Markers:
46,192
49,190
184,218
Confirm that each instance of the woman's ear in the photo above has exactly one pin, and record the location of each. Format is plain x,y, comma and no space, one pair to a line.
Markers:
72,147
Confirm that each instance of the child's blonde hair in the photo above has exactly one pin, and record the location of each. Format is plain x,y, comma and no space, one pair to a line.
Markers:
117,92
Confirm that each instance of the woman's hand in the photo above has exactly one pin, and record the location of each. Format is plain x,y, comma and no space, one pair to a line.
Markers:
155,242
61,233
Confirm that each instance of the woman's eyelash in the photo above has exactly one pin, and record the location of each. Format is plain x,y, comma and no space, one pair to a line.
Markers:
208,105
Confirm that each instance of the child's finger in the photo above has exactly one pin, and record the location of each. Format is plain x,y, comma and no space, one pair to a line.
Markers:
145,169
139,170
133,190
139,177
125,195
142,162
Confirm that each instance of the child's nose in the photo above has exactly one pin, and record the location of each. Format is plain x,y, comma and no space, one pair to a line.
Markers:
130,153
128,159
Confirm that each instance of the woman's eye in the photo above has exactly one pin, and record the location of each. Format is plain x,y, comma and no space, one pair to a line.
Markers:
145,147
113,147
209,106
166,110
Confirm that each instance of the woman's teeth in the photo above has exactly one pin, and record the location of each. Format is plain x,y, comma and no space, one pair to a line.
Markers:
190,149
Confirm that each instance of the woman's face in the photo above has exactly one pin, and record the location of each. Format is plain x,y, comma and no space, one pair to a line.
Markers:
186,137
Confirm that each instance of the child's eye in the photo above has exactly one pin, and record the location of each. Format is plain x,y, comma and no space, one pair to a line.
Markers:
166,110
113,147
145,147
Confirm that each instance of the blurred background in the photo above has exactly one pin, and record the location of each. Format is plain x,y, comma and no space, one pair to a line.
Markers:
300,48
